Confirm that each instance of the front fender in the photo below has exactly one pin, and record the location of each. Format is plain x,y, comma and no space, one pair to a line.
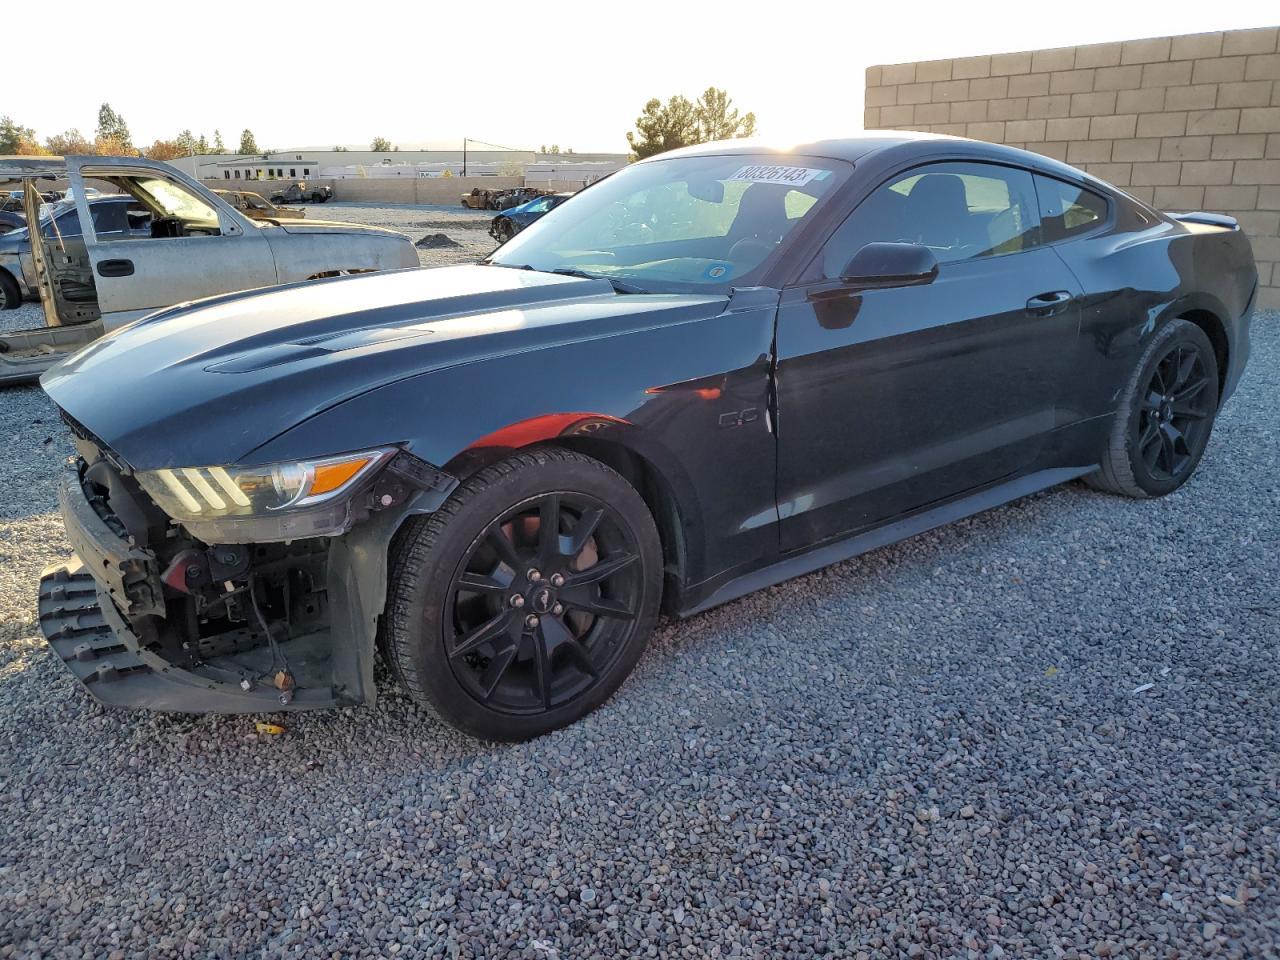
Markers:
691,399
300,256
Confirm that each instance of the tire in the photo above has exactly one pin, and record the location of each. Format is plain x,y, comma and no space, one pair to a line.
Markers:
546,635
10,294
1155,445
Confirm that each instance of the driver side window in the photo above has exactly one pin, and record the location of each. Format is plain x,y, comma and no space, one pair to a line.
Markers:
960,211
175,210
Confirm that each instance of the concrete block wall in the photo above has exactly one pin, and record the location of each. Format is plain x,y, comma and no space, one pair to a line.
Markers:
1185,123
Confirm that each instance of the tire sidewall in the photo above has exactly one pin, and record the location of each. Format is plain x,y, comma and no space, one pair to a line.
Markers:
427,599
10,293
1178,333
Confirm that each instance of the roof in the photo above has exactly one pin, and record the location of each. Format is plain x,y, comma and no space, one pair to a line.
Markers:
929,146
15,168
844,148
259,161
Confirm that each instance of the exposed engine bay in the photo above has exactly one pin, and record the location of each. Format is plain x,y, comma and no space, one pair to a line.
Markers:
151,614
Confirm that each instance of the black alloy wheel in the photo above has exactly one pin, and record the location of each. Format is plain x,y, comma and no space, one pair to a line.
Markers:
1175,414
526,600
1163,425
543,603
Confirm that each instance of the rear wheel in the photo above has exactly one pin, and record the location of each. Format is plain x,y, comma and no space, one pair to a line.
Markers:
10,295
1163,425
525,601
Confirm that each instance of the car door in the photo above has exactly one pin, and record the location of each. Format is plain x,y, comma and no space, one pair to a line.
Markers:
196,246
893,398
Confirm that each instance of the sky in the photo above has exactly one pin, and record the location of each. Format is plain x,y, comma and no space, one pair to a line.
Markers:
429,74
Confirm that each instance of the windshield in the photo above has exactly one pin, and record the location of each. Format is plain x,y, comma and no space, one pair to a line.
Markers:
688,223
174,201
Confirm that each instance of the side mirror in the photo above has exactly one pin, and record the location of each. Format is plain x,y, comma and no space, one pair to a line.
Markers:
891,265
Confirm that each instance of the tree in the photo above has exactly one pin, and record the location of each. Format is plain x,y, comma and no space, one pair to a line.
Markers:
167,149
30,147
109,146
380,145
12,135
664,127
718,120
69,143
555,148
185,140
218,145
247,143
113,131
339,149
680,123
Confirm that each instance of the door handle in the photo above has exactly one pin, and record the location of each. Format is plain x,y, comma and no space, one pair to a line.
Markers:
115,268
1047,304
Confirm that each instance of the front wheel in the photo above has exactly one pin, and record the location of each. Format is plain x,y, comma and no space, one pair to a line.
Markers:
1166,416
10,294
525,601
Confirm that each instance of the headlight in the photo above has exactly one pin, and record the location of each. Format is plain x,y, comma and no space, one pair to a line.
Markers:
193,495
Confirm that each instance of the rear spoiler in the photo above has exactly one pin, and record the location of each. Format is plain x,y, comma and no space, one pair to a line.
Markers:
1209,219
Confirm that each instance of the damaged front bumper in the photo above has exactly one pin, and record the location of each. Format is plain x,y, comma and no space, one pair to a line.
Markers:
288,627
87,632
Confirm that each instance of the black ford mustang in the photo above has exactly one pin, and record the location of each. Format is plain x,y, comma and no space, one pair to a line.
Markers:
714,370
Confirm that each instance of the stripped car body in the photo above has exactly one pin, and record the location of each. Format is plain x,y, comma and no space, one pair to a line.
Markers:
300,192
256,207
196,245
775,415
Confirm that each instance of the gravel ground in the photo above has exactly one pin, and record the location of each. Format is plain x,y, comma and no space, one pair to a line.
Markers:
468,228
936,750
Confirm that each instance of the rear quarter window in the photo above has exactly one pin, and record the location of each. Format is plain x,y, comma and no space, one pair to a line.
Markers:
1067,210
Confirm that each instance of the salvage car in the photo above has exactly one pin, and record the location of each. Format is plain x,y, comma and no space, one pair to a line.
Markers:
60,228
478,199
254,207
510,222
299,192
719,368
189,244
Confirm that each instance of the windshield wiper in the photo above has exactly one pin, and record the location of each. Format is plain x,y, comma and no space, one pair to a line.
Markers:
619,286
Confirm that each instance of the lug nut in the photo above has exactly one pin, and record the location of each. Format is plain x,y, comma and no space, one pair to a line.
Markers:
517,601
558,609
531,621
534,575
557,580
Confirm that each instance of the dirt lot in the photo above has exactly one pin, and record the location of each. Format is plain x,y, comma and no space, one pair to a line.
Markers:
1048,731
468,228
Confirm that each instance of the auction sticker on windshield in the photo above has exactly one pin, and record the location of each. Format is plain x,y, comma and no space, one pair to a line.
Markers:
768,173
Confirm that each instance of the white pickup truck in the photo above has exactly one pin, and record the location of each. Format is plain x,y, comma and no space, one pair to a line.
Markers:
193,244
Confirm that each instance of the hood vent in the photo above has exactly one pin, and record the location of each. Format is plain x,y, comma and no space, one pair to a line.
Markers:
273,356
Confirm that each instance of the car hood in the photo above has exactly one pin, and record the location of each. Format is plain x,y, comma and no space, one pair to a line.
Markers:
208,382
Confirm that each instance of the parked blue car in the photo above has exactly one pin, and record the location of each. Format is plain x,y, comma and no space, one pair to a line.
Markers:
510,222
